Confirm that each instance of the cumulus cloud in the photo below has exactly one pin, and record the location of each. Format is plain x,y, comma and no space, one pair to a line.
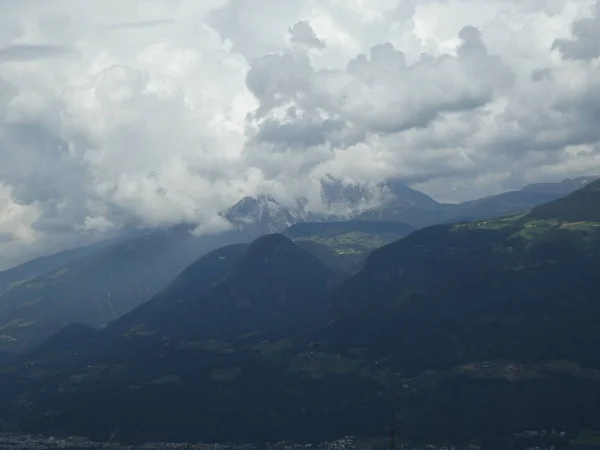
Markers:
121,114
309,120
583,44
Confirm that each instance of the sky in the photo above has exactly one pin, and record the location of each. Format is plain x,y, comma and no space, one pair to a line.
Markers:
117,113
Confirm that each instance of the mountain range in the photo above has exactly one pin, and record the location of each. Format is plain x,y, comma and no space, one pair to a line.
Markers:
95,285
458,331
391,201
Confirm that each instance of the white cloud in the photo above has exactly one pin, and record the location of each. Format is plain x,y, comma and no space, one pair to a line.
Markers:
117,113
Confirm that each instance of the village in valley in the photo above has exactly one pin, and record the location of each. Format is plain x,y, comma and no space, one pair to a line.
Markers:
528,440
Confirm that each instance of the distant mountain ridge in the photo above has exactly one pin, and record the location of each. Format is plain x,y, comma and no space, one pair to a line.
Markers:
523,200
562,188
95,285
392,201
264,214
344,201
357,197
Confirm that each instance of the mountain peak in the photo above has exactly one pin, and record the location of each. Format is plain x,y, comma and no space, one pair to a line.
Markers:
274,269
357,196
397,192
274,255
251,208
581,206
274,287
272,243
265,213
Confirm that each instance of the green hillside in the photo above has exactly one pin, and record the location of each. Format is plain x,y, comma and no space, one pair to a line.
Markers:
345,244
581,206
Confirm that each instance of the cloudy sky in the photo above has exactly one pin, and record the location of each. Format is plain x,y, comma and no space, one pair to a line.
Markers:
115,113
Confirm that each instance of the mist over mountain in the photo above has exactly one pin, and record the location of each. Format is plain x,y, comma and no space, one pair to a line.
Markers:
99,287
10,278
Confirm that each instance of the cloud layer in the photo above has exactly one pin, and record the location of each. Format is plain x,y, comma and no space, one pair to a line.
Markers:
115,114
